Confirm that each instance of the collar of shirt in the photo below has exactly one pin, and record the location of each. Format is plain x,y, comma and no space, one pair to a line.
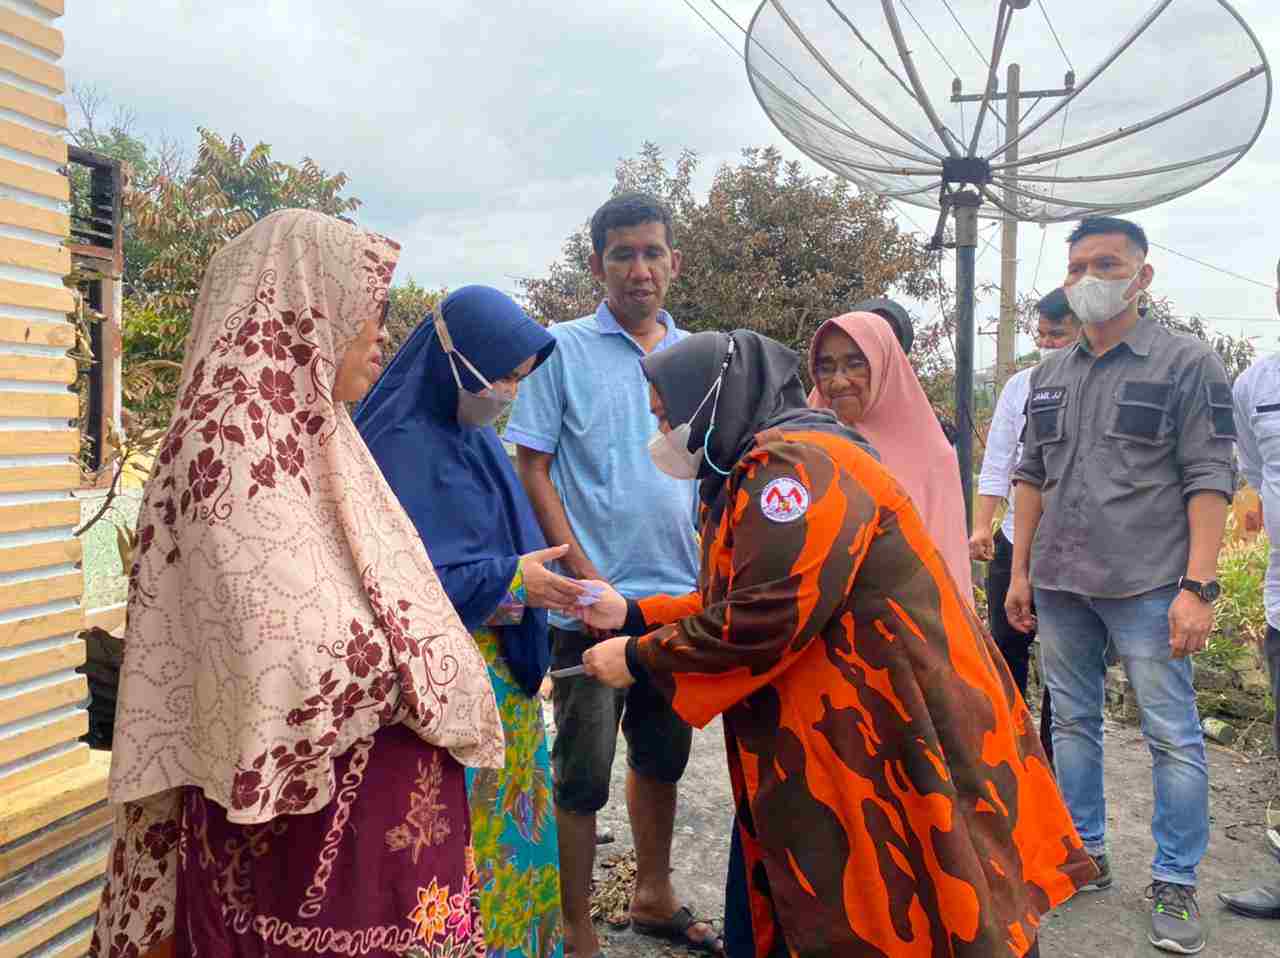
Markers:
1139,339
608,324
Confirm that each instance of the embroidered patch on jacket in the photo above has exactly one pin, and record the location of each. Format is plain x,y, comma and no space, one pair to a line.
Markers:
784,500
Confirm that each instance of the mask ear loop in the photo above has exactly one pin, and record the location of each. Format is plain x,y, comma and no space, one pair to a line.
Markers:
706,440
446,343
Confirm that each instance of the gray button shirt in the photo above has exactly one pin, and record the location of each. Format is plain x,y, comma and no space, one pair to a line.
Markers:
1117,443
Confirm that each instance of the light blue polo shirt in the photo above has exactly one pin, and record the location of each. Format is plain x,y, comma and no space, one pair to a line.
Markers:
589,405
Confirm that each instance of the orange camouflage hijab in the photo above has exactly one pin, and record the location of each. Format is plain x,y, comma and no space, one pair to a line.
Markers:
282,605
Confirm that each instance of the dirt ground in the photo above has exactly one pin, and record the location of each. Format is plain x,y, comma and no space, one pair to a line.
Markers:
1110,924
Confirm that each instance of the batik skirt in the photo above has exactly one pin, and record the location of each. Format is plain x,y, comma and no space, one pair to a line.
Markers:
385,869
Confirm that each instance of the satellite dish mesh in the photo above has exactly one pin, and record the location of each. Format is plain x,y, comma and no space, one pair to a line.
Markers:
1166,97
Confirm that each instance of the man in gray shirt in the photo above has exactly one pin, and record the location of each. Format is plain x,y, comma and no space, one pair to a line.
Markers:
1121,501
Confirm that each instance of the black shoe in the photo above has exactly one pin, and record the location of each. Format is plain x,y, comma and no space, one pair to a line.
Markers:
1261,902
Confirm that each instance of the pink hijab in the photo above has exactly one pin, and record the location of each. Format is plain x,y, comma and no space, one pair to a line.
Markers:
901,425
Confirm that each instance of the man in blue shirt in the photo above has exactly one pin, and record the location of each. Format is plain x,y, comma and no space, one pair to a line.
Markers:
581,426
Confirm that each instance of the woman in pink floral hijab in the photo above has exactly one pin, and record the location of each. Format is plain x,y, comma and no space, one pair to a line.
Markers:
298,697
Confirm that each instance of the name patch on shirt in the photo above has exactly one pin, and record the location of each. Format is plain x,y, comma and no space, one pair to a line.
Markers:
1048,396
784,500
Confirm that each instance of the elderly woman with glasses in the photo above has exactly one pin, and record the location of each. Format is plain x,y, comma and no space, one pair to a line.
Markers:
862,375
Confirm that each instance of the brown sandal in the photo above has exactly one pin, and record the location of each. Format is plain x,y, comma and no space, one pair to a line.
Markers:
675,929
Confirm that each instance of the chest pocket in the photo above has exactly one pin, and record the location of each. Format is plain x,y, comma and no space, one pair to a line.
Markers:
1266,426
1046,414
1141,410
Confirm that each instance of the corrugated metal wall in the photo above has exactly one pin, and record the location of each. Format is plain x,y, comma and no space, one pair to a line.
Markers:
53,821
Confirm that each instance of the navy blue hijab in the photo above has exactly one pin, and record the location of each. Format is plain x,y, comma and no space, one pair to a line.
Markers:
456,483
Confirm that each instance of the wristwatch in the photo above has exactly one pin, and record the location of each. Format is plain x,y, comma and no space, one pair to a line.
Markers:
1206,591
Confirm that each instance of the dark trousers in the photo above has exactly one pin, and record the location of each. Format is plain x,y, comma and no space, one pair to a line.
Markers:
1015,646
1271,651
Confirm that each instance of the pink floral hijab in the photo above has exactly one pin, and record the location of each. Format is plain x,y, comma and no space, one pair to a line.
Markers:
900,424
281,605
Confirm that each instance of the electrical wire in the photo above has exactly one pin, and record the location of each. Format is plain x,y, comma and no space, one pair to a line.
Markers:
738,53
804,86
942,56
698,13
1070,65
976,48
1062,138
1216,269
870,49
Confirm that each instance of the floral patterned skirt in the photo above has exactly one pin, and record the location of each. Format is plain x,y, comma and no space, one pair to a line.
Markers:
385,869
513,826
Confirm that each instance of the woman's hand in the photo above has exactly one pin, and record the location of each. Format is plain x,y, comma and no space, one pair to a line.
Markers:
544,589
609,610
607,662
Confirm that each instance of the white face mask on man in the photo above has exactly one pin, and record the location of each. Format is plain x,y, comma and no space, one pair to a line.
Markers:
1095,300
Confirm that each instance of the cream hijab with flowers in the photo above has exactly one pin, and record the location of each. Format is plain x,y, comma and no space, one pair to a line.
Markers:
282,605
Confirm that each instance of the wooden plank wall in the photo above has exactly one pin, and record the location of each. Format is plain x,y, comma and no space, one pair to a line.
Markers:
54,823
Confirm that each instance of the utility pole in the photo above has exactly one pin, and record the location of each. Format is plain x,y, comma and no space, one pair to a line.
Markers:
1007,331
1007,338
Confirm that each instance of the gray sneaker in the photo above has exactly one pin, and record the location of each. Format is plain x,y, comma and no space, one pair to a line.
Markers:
1175,918
1103,881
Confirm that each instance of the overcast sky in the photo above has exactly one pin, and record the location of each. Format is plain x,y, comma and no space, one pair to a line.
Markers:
481,133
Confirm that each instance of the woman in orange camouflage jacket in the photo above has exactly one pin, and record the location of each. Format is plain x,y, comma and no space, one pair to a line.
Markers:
892,796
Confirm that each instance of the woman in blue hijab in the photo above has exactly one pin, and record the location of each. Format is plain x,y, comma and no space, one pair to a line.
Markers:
428,422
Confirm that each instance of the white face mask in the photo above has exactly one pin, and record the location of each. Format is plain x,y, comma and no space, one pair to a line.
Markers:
475,410
670,450
1095,300
670,453
1047,351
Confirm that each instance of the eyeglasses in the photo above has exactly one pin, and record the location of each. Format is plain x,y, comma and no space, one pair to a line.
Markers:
386,309
850,366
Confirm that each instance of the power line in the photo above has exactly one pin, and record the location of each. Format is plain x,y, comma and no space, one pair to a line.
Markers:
1070,65
942,56
714,29
1062,138
738,53
1216,269
976,48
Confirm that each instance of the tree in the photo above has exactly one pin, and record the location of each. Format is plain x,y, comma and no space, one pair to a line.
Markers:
143,163
176,217
410,303
772,248
188,217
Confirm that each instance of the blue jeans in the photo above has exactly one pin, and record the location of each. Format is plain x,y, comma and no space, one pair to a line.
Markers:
1074,630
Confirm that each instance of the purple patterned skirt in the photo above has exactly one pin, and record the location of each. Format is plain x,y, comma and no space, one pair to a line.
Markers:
385,869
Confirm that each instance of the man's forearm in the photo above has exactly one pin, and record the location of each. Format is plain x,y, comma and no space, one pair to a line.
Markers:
985,513
1207,519
1027,509
550,512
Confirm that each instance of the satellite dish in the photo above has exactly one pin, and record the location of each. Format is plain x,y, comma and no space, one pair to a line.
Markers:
875,91
912,99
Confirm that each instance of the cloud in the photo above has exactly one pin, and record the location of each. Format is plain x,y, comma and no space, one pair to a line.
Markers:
482,134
